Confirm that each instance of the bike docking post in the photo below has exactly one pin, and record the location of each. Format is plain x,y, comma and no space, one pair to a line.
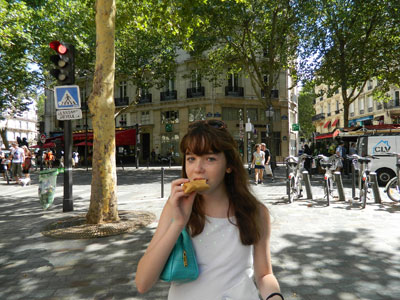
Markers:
375,188
353,181
339,185
287,181
307,183
162,182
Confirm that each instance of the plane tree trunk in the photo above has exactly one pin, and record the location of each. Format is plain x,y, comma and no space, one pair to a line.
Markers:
103,201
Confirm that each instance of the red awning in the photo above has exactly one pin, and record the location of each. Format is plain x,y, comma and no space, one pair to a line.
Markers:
125,137
335,122
82,136
122,137
83,144
324,136
327,124
47,145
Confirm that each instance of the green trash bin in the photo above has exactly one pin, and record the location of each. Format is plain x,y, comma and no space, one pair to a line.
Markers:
47,186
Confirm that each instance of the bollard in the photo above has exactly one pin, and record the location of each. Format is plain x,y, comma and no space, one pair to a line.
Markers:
170,161
162,182
375,188
287,181
353,181
307,183
339,185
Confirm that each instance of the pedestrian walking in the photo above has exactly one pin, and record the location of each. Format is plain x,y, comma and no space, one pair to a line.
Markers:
308,160
153,156
27,164
258,163
340,152
267,164
16,163
230,228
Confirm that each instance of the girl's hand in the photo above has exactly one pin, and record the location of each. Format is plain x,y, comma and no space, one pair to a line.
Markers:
180,202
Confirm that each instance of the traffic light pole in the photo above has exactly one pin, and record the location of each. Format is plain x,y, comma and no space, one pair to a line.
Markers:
68,202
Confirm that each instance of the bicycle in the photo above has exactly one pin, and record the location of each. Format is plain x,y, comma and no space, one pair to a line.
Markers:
295,165
393,186
363,180
329,164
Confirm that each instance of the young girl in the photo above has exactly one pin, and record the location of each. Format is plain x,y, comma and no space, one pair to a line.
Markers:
258,163
230,228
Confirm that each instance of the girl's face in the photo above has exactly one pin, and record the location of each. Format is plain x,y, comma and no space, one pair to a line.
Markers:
211,167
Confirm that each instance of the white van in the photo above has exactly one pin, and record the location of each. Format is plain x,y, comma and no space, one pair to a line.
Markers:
380,146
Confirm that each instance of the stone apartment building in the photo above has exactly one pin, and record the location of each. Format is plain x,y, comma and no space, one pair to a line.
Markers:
164,114
363,111
24,126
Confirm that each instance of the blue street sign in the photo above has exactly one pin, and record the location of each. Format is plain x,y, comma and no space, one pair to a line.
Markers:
67,97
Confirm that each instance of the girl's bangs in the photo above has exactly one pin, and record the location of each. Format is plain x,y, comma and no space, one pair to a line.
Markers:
200,143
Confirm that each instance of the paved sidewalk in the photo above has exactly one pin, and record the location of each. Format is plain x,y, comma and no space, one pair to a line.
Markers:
318,252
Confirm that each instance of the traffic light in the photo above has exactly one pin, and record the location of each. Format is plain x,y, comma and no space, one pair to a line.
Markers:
64,61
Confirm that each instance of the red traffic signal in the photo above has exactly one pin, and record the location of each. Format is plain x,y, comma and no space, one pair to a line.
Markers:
58,47
64,62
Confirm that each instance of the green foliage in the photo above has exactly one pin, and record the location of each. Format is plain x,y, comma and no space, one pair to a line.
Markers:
306,110
17,81
144,55
348,41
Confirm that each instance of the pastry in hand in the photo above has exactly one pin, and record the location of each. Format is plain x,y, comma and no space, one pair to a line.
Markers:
197,185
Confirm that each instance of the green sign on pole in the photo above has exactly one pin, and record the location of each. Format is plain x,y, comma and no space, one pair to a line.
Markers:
168,127
295,127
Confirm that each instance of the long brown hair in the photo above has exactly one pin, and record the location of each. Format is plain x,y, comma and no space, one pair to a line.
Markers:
208,136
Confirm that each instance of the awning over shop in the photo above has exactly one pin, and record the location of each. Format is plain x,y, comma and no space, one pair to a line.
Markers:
83,144
354,121
46,145
122,137
335,122
327,124
125,137
324,136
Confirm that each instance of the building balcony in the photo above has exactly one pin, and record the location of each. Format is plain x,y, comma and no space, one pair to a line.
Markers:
352,114
337,112
379,106
394,103
274,94
393,106
370,109
317,117
328,114
147,98
124,101
361,111
234,91
195,92
169,95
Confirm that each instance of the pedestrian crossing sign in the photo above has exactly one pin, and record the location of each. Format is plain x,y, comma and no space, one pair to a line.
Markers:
67,97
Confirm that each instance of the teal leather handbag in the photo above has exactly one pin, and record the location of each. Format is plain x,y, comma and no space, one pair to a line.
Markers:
181,265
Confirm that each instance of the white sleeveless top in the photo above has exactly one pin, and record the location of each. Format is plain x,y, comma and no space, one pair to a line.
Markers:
225,266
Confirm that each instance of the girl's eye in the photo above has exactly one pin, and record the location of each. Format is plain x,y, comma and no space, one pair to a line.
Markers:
189,158
211,158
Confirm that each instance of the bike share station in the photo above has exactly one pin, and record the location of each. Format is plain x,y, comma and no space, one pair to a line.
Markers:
297,177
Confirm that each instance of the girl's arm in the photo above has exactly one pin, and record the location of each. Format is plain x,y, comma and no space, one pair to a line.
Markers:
265,279
173,219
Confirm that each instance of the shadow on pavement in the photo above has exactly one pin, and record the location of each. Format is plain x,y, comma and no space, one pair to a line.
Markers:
36,267
336,265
